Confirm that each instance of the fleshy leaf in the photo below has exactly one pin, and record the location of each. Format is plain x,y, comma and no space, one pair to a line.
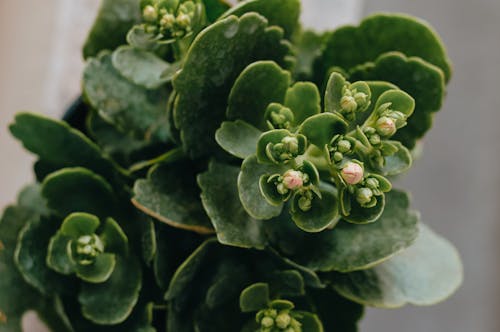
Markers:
110,28
232,43
250,195
238,138
255,297
258,85
304,100
131,108
399,162
426,273
215,8
79,224
111,302
57,254
400,101
355,213
349,247
307,48
420,79
219,195
349,46
113,238
284,13
78,190
320,129
334,93
56,143
310,322
287,283
142,67
171,195
99,271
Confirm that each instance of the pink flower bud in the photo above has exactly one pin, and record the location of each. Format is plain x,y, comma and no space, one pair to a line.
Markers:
386,126
352,173
293,179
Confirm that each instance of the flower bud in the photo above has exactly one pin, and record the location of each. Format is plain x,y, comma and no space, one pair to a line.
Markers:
343,146
267,322
372,183
150,14
348,104
305,203
352,173
364,195
183,21
283,320
337,156
167,21
291,144
360,98
386,126
88,247
374,139
293,179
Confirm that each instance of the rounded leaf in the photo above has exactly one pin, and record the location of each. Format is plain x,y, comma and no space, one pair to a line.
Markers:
255,297
324,212
320,129
99,271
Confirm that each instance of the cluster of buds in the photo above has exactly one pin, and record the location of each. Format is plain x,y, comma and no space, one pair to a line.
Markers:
339,147
86,249
171,20
389,120
279,117
352,101
286,150
273,320
367,192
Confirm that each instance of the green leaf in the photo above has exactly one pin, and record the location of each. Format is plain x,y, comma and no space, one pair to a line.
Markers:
423,81
15,301
79,224
275,136
129,107
287,283
114,20
203,88
335,91
234,226
78,190
321,128
426,273
304,100
238,138
99,271
111,302
310,322
31,253
215,8
324,212
349,46
357,214
143,68
399,100
259,84
55,142
397,163
254,203
284,13
349,247
255,297
113,238
171,195
308,46
57,254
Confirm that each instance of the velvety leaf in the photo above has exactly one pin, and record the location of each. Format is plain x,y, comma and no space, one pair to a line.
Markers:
57,254
304,100
142,67
149,244
203,88
307,48
129,107
30,198
284,13
255,297
171,195
15,301
114,239
349,46
399,162
321,128
112,302
99,271
55,142
234,226
79,224
215,8
258,85
31,253
170,157
400,101
426,273
238,138
423,81
349,247
78,190
357,214
287,283
114,20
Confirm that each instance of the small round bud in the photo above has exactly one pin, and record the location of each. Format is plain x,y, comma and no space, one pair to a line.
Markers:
305,203
374,139
167,21
150,14
267,322
280,117
293,179
281,189
183,20
348,104
291,144
360,98
352,173
283,320
364,195
337,156
386,126
343,146
372,183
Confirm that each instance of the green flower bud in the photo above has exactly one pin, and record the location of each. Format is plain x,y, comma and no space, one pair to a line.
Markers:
183,21
352,173
372,183
337,156
364,196
282,189
360,98
280,117
344,146
348,104
267,322
283,320
305,203
291,144
386,126
167,21
374,139
88,247
150,14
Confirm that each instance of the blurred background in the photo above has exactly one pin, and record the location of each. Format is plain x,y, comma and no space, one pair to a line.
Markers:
456,185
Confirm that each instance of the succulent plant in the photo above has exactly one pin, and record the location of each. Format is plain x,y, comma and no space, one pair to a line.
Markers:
228,170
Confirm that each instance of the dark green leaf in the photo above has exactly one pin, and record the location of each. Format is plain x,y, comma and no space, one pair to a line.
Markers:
238,138
203,88
113,238
57,254
215,8
220,198
358,214
255,297
114,20
310,322
99,271
287,283
304,100
399,162
426,273
308,46
79,224
321,128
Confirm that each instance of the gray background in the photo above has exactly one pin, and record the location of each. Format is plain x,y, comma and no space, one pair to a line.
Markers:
455,185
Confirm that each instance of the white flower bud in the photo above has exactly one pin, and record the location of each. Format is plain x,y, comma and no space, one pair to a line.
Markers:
150,14
352,173
386,126
348,104
293,179
364,195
